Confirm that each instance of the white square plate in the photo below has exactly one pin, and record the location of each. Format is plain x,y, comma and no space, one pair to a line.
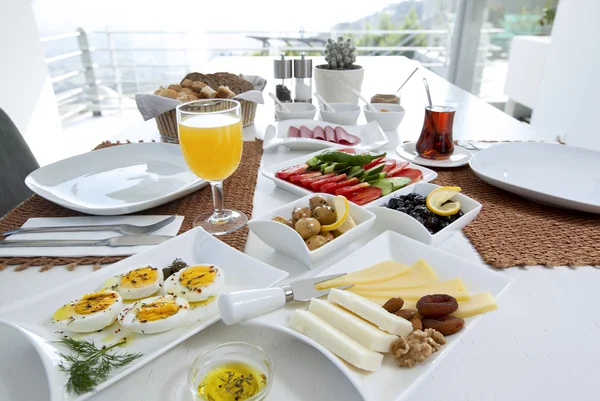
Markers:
271,173
371,136
391,382
194,247
117,180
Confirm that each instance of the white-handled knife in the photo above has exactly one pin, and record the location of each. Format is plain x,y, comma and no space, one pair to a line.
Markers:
128,240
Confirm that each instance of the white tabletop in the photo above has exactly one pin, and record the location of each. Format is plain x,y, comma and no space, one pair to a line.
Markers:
542,343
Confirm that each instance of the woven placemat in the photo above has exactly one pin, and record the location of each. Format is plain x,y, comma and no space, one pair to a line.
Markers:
239,194
513,231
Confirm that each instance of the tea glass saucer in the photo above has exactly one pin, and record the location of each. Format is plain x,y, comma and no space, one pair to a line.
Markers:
408,151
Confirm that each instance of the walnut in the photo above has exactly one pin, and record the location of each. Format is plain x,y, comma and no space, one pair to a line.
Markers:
416,347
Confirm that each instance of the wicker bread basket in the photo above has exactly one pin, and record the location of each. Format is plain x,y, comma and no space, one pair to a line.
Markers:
167,122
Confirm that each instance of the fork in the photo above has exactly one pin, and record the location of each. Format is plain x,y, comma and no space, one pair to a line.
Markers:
125,229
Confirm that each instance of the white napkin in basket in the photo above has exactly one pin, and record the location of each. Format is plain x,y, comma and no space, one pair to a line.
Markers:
82,251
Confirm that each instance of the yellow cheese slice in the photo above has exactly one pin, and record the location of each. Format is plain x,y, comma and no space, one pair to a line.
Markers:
479,303
418,275
380,272
454,287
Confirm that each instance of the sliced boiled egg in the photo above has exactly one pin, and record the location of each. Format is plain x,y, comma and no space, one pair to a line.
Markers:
196,283
91,312
154,315
136,284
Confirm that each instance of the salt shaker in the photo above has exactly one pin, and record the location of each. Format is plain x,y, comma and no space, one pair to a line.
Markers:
283,79
303,79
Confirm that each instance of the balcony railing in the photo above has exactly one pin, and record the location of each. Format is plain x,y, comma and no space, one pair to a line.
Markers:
95,71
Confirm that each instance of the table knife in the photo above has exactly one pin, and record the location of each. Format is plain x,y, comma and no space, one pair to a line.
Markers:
239,306
128,240
125,229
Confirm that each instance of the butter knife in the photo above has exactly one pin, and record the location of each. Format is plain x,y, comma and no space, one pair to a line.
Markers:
125,229
128,240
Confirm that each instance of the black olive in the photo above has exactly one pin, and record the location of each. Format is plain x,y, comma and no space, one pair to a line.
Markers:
432,222
402,210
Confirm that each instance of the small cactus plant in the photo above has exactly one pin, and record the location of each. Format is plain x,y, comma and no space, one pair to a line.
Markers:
340,55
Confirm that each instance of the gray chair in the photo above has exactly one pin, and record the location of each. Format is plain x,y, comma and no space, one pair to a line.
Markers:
16,162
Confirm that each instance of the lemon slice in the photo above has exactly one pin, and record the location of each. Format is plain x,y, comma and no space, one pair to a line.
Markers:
341,206
347,225
437,201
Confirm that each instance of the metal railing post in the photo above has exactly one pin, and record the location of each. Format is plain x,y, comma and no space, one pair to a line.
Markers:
114,62
90,72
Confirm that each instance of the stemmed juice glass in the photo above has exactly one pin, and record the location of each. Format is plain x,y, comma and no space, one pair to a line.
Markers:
211,140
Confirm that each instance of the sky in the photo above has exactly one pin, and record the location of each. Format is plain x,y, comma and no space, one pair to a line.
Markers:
201,15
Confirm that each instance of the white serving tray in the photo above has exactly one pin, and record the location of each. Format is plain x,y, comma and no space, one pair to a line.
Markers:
117,180
558,175
32,316
390,382
371,136
271,171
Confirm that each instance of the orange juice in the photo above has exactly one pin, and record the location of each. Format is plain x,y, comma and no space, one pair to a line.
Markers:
211,144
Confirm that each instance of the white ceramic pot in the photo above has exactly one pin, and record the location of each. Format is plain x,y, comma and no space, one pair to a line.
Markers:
336,85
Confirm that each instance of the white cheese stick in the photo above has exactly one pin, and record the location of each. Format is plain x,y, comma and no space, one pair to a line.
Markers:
371,312
335,341
353,326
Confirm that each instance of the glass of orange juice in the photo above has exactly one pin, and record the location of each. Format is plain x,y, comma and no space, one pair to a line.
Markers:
211,140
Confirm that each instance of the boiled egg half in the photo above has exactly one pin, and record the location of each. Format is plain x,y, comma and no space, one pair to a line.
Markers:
91,312
136,284
196,283
154,315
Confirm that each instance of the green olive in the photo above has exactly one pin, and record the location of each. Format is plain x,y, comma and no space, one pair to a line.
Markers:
315,242
325,214
317,201
327,234
283,220
301,212
307,227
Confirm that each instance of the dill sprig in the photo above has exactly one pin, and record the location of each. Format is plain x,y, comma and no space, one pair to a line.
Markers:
90,365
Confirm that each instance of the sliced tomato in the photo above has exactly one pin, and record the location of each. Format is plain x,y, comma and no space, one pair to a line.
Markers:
412,173
397,169
285,174
305,182
389,165
316,185
330,188
299,177
347,150
351,190
374,163
366,195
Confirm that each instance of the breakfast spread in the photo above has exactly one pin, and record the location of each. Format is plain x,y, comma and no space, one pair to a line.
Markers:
321,222
436,211
390,308
362,178
328,133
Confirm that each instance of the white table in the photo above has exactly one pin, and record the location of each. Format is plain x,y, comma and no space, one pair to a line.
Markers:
542,344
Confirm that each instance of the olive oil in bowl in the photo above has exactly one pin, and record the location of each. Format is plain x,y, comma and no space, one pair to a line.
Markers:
234,371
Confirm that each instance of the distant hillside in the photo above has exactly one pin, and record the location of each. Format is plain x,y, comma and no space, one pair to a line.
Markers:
397,13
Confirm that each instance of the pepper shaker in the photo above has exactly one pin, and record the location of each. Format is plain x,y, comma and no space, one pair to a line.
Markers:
303,79
283,79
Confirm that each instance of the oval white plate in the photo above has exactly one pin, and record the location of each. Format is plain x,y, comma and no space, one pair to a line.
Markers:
371,136
558,175
408,151
390,382
117,180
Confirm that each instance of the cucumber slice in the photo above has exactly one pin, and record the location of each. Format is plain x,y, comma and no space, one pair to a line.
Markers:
374,170
372,177
399,182
385,184
313,161
329,169
356,173
340,166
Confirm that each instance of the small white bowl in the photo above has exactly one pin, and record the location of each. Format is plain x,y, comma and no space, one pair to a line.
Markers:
402,223
344,114
387,120
287,241
302,111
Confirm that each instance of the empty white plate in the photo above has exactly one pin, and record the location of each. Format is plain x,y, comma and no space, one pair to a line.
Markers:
408,151
555,174
117,180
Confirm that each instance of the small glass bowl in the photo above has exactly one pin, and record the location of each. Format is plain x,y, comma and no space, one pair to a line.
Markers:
231,352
